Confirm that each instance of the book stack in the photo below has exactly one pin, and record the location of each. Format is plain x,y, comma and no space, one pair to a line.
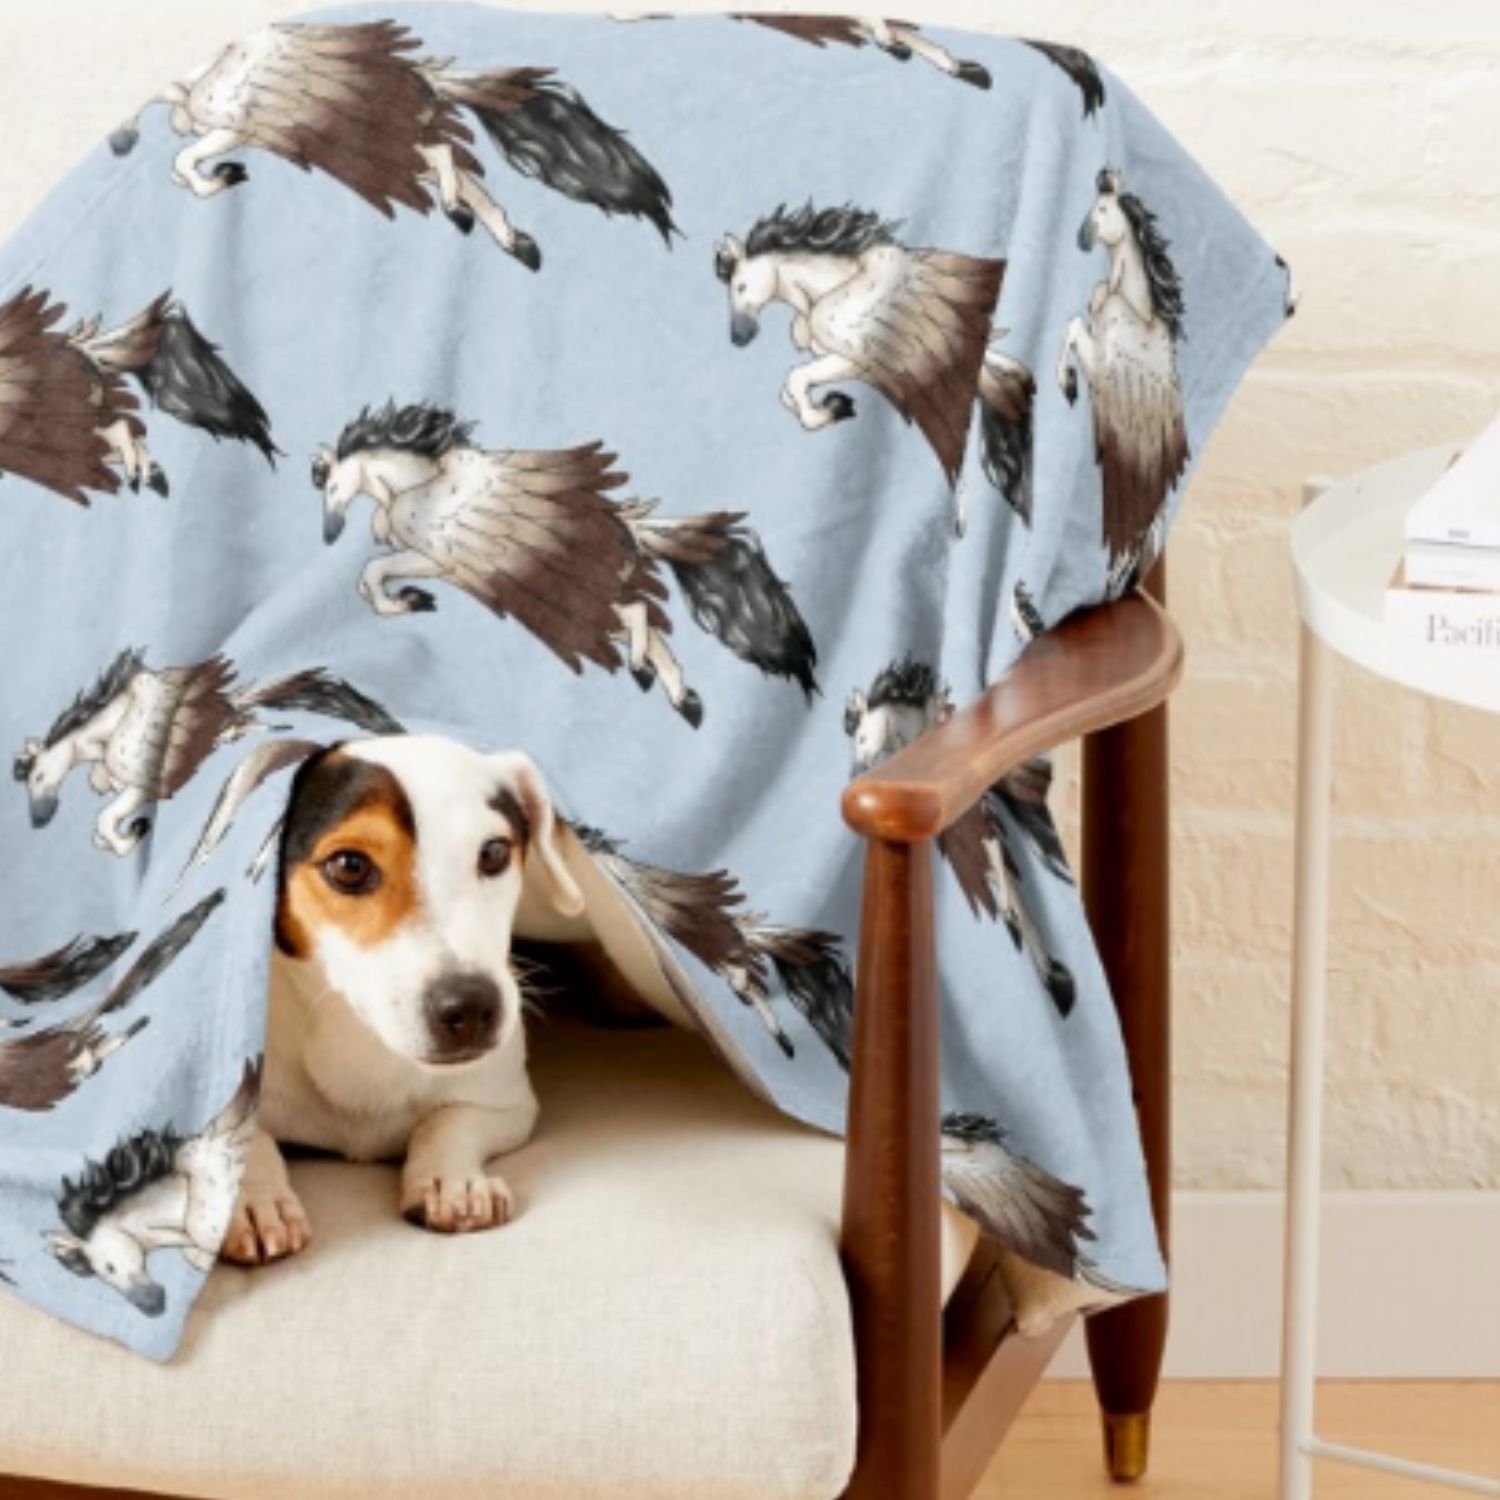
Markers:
1446,588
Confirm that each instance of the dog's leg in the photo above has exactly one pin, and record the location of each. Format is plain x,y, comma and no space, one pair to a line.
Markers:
445,1185
269,1221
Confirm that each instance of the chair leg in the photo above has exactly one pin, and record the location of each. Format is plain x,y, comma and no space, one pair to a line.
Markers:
1126,891
890,1240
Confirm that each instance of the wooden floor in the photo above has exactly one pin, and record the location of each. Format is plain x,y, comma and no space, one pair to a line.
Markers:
1216,1441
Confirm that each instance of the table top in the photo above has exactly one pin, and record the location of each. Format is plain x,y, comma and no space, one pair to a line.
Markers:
1345,546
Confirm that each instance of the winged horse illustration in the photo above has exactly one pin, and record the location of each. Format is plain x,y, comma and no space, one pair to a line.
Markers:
1126,347
536,536
353,102
144,733
155,1190
913,323
906,700
706,915
68,418
42,1068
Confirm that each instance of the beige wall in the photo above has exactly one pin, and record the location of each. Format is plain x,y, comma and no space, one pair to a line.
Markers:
1362,135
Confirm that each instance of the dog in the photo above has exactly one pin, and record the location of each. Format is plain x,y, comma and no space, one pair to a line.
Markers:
408,864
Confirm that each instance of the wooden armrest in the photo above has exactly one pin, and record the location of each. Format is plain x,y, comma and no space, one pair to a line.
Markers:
1100,667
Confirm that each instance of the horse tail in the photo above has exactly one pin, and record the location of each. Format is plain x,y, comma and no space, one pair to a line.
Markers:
314,691
733,593
1006,391
553,136
816,977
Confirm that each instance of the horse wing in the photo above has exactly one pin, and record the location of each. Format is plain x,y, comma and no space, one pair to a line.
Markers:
157,956
534,536
1038,1216
1140,435
965,846
57,974
818,31
349,101
269,757
694,910
54,402
200,716
916,323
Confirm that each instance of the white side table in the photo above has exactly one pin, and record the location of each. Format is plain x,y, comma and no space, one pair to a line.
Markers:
1345,546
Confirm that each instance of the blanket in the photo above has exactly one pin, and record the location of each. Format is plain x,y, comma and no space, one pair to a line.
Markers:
705,406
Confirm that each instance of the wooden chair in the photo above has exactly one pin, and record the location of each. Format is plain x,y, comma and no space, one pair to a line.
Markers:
938,1387
937,1391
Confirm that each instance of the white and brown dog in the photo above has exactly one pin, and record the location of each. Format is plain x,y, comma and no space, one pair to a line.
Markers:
408,864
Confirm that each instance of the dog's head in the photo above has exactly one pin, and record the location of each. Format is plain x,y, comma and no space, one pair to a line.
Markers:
402,862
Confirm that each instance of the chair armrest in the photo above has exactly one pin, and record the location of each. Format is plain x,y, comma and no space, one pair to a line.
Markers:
1100,667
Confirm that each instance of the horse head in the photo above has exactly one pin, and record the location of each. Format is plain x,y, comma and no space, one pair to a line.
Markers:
751,280
41,769
1105,223
118,1259
340,481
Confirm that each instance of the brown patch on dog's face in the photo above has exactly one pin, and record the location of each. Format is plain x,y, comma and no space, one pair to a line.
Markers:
348,855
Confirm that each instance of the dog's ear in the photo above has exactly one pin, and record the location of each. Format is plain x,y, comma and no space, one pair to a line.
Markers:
525,782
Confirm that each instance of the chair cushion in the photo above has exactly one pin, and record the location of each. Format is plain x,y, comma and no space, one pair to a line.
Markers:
665,1318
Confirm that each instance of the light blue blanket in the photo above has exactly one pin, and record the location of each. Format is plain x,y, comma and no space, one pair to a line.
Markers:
705,406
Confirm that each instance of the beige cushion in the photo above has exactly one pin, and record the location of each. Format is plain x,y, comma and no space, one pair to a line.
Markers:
666,1318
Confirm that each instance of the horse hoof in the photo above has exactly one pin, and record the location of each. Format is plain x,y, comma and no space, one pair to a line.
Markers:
974,73
123,141
900,51
135,484
461,216
1060,986
526,250
137,829
838,406
417,601
157,480
645,677
691,708
1070,387
231,173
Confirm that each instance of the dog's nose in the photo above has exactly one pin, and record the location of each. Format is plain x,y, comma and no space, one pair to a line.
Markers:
463,1014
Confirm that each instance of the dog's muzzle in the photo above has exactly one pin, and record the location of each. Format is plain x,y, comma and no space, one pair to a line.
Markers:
463,1017
42,809
742,329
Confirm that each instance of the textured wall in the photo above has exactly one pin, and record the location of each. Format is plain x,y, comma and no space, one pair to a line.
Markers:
1361,136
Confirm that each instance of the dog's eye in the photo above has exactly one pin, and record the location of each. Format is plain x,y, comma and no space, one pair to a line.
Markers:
350,872
494,857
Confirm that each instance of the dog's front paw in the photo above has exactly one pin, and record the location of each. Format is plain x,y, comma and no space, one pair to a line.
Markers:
456,1205
268,1224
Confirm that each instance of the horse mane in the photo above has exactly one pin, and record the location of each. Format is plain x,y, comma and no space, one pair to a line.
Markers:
130,1167
430,431
846,230
112,681
971,1129
1166,285
594,840
906,682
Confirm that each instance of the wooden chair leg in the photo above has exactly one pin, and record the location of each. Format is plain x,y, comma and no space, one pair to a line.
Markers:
1126,891
890,1243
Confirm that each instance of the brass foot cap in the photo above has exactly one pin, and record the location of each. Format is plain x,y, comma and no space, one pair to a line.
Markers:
1127,1441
